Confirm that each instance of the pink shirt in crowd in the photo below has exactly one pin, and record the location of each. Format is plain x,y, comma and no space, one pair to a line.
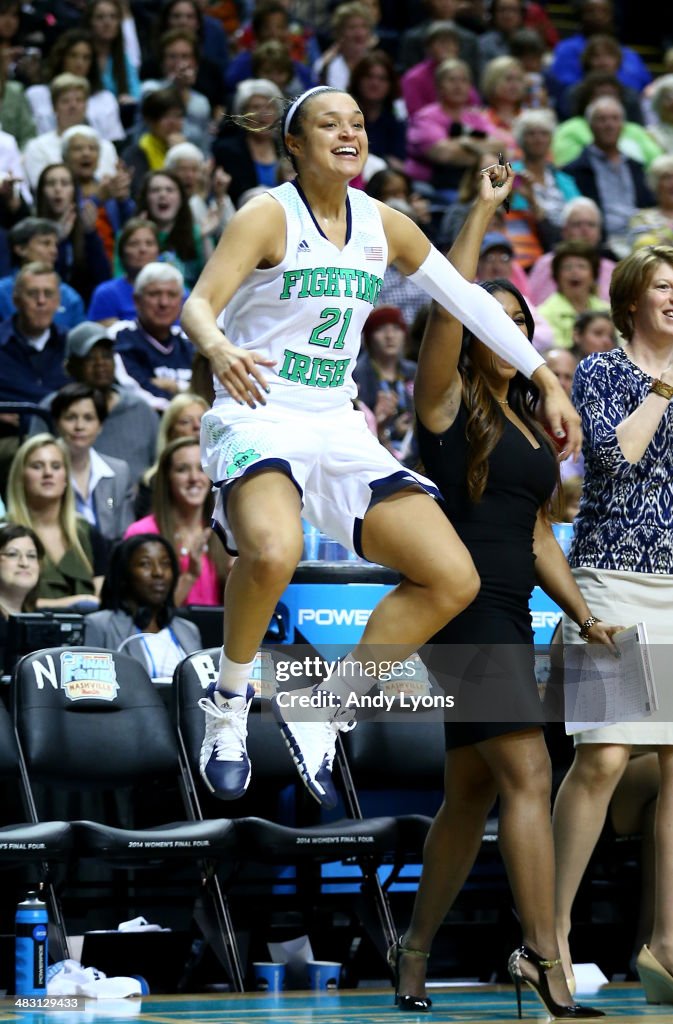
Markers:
541,284
418,87
207,588
430,125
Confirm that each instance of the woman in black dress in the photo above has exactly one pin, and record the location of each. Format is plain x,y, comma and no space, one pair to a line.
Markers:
495,467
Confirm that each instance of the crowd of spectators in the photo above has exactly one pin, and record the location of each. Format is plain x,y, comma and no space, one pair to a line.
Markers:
133,131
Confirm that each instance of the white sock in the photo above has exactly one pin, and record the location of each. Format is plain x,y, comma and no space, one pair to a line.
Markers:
234,676
348,678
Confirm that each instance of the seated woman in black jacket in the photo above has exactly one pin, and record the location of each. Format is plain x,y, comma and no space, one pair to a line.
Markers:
246,145
21,555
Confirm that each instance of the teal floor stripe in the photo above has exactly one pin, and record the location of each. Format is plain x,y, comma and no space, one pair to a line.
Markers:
485,1005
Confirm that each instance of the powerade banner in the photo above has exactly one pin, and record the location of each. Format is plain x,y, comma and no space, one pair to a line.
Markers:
324,614
544,613
328,611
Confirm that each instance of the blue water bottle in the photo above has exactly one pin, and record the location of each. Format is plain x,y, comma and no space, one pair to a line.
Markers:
31,947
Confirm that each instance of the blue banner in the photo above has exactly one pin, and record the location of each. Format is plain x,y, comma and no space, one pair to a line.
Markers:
327,611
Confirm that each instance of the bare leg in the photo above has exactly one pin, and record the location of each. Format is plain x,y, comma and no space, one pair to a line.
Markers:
661,943
410,533
451,848
579,814
520,764
264,512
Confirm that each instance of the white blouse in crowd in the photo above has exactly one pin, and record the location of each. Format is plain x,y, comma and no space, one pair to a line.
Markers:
99,470
162,652
102,112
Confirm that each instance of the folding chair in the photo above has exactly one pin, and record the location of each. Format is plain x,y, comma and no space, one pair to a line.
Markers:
90,719
42,843
266,841
403,763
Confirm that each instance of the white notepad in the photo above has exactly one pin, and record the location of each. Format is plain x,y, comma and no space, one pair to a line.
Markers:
601,689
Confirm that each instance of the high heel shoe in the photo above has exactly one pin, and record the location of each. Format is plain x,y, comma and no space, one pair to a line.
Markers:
573,1011
657,982
408,1004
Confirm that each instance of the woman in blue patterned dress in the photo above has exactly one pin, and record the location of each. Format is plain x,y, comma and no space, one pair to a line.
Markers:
622,559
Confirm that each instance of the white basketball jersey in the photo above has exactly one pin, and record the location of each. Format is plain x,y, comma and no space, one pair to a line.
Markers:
307,312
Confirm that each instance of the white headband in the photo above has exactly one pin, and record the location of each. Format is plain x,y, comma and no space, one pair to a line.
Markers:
298,102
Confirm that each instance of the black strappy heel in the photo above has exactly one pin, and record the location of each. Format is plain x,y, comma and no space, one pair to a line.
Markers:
573,1011
408,1004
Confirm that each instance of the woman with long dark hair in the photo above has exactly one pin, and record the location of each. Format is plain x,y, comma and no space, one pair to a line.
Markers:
187,16
163,200
496,469
82,261
375,85
74,52
179,56
181,510
138,606
103,18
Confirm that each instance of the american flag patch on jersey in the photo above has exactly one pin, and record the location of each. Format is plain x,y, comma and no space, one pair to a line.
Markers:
373,252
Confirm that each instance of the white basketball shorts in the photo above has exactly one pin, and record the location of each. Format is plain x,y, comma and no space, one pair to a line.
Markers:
337,465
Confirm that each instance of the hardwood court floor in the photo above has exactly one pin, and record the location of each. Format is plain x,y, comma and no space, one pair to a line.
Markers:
624,1003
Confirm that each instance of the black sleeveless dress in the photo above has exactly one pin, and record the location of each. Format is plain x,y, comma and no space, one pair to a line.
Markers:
489,665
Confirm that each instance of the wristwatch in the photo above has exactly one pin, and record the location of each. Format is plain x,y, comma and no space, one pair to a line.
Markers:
586,626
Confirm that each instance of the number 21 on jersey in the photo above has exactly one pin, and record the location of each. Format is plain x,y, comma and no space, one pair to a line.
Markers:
331,319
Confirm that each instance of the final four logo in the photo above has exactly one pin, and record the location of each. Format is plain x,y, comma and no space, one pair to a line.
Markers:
88,675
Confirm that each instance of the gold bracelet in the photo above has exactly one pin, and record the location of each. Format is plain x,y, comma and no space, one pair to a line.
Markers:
659,387
586,626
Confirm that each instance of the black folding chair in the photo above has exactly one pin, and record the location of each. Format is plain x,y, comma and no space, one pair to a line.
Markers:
40,843
90,719
403,759
266,841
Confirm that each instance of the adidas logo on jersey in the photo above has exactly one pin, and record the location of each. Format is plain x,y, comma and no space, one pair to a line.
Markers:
303,246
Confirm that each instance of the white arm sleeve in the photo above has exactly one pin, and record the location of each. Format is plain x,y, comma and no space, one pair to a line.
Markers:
481,313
